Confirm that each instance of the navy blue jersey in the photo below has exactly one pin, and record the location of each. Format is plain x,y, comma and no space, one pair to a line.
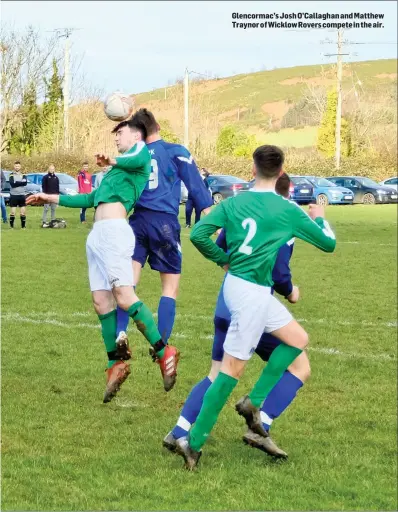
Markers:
281,274
172,163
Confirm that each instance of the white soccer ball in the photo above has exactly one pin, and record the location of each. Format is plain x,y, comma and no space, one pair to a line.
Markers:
118,106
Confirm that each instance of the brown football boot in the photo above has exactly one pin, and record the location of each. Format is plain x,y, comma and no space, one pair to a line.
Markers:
191,457
265,444
115,376
245,408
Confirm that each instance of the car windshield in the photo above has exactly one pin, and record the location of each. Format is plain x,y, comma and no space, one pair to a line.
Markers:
301,181
367,182
322,182
66,180
231,179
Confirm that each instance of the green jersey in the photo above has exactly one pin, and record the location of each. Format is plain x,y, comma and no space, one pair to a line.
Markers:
257,224
123,183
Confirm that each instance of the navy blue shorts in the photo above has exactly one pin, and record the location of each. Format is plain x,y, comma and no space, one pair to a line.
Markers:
157,240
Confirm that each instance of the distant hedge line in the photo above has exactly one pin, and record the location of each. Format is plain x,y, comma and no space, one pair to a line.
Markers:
301,162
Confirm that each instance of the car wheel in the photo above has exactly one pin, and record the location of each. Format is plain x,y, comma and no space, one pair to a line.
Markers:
217,197
369,199
322,200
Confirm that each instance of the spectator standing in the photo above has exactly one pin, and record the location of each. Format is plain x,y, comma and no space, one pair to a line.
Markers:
18,182
50,185
189,205
3,203
85,187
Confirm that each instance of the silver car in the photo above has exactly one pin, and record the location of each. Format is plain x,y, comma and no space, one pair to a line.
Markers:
391,182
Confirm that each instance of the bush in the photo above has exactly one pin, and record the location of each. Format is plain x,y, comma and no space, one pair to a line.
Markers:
67,163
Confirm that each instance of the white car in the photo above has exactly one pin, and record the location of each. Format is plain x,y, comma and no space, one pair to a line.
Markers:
391,182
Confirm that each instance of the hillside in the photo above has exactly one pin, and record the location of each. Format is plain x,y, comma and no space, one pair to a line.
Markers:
259,101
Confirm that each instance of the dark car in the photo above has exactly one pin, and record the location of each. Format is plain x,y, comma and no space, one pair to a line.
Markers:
366,191
301,190
67,185
31,188
223,186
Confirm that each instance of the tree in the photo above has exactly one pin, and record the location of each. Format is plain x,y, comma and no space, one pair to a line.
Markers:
233,142
24,139
167,133
26,58
327,131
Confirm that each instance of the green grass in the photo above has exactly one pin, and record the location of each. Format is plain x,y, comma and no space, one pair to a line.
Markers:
255,89
62,449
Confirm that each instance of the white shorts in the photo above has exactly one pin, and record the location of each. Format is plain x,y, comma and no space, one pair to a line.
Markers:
109,247
254,310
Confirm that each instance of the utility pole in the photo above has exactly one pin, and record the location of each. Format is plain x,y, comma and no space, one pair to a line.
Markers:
339,54
66,33
186,105
339,101
66,92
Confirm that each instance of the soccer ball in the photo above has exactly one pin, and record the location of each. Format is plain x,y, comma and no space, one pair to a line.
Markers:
118,106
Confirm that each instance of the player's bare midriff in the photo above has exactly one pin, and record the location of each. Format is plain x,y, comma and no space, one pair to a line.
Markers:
106,211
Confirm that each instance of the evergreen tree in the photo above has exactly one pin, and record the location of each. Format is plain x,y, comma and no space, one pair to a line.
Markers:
327,131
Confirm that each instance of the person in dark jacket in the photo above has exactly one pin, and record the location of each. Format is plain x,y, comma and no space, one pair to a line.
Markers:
3,204
189,205
49,185
18,182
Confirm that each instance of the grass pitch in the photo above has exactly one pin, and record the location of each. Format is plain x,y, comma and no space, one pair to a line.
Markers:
62,449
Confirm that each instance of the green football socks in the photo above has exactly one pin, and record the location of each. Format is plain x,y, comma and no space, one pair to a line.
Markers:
281,358
213,402
108,327
143,319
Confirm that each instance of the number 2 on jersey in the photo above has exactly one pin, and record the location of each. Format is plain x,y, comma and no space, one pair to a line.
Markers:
154,176
245,248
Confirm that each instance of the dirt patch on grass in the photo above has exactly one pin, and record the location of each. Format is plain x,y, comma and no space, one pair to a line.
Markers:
316,80
209,85
392,76
276,109
233,113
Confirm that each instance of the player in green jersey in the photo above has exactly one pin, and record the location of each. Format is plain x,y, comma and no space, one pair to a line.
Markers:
109,247
257,224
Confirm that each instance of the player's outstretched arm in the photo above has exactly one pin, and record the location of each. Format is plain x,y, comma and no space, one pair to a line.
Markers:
201,233
41,199
77,201
313,228
189,174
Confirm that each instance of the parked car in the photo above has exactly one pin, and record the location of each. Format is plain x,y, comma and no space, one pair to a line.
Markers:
184,193
67,184
391,182
366,191
31,188
223,186
326,192
301,190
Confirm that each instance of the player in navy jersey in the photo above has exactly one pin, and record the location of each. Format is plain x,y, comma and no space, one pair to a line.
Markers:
156,226
285,391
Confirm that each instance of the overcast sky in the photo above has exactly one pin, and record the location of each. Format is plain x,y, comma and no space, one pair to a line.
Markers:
138,46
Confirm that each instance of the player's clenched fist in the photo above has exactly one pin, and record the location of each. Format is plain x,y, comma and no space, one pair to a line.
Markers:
104,160
41,199
37,199
294,296
316,210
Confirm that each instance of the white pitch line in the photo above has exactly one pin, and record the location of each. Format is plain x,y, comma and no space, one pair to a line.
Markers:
16,317
317,321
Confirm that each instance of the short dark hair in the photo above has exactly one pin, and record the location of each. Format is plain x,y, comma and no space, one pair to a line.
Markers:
268,161
85,163
132,126
282,186
17,162
143,118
